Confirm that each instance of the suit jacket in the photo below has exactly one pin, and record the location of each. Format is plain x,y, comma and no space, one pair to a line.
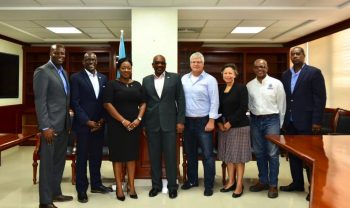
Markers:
83,100
308,100
165,112
51,100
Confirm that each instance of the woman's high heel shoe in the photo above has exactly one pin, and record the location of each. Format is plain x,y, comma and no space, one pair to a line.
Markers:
134,196
120,198
234,195
231,188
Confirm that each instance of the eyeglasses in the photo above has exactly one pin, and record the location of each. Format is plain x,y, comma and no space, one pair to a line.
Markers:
125,68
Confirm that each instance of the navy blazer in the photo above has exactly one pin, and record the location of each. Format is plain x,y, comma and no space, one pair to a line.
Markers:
308,100
83,100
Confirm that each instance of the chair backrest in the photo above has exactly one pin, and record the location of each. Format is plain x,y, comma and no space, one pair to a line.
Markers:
342,122
328,120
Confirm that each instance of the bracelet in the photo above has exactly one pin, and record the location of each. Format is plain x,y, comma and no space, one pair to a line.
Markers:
123,121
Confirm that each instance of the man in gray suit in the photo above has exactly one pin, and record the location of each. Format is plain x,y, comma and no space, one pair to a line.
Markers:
51,92
165,115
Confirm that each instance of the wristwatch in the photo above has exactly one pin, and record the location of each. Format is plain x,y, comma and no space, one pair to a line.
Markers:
139,118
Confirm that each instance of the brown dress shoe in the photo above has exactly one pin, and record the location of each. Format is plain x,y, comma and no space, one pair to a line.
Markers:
259,187
47,206
273,192
62,198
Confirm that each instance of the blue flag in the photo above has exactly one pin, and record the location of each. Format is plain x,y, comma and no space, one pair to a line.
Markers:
122,53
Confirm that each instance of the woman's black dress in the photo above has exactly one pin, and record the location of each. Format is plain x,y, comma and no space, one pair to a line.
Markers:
126,98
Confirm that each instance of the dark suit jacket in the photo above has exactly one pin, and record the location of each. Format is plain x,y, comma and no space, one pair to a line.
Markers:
83,100
307,103
51,101
165,112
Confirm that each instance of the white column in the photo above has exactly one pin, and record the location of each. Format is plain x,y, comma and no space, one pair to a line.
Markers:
154,31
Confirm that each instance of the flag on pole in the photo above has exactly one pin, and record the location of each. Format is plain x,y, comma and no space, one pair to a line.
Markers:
121,53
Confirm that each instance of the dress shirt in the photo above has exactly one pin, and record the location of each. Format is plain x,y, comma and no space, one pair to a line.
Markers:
94,81
159,83
267,97
294,79
202,95
62,76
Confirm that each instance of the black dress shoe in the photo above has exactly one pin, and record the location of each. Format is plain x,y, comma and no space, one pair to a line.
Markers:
133,196
82,197
154,192
291,188
62,198
187,185
231,188
234,195
172,194
120,198
47,206
208,192
101,189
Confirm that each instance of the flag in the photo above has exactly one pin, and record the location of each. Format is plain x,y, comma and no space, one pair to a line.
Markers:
121,53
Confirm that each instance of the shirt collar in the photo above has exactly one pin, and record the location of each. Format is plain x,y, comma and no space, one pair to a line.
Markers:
203,74
90,74
160,76
293,72
58,69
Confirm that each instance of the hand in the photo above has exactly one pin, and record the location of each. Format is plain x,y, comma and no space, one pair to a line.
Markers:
210,125
180,128
221,127
227,126
49,135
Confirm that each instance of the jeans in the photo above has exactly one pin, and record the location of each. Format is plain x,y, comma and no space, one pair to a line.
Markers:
266,153
195,136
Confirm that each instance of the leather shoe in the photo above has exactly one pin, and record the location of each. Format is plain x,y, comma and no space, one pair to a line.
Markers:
187,185
231,188
62,198
82,197
308,197
173,194
258,187
291,188
47,206
101,189
133,196
273,192
154,192
208,192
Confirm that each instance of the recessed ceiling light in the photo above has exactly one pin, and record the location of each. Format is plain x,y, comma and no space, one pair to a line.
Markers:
63,29
247,29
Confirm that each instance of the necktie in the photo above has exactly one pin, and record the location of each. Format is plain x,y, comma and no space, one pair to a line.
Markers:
60,72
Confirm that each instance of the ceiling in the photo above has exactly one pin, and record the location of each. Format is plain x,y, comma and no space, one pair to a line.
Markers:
209,21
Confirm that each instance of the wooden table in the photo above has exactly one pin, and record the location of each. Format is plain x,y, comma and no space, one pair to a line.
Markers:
329,157
8,140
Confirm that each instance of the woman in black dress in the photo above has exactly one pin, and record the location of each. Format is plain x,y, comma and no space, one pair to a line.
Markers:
234,130
125,104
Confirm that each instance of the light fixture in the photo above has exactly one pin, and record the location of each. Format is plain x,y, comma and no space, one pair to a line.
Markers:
62,30
247,29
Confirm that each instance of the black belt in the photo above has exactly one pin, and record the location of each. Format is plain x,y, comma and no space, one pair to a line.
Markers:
263,116
196,118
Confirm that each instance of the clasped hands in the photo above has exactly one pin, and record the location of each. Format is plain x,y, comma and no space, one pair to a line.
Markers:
95,126
130,125
224,127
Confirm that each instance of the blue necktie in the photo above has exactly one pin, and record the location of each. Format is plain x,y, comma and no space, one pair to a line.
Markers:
60,72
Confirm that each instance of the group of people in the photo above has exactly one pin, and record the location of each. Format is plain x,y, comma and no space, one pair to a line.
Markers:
162,106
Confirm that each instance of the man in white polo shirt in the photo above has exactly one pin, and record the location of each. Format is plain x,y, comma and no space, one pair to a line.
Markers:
267,105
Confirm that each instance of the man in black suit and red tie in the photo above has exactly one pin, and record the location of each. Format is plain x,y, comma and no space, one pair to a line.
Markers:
306,99
86,101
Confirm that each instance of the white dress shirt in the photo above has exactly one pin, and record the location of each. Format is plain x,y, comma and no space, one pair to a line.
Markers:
267,97
159,83
94,81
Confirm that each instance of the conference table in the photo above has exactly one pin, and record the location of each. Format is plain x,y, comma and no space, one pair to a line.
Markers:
329,158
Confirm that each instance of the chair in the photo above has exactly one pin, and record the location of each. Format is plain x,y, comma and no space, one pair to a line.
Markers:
328,121
70,155
215,152
342,122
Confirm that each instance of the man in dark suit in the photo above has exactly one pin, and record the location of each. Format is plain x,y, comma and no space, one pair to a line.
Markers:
165,115
306,99
51,92
88,124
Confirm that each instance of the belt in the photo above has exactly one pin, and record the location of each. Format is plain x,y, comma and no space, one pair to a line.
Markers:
263,116
196,118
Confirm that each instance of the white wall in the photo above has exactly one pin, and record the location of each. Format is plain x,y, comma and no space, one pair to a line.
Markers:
12,48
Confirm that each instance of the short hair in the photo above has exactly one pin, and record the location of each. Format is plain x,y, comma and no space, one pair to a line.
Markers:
197,55
300,48
122,60
56,46
230,65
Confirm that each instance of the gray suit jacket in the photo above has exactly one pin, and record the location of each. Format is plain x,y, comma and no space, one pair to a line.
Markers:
165,112
51,101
